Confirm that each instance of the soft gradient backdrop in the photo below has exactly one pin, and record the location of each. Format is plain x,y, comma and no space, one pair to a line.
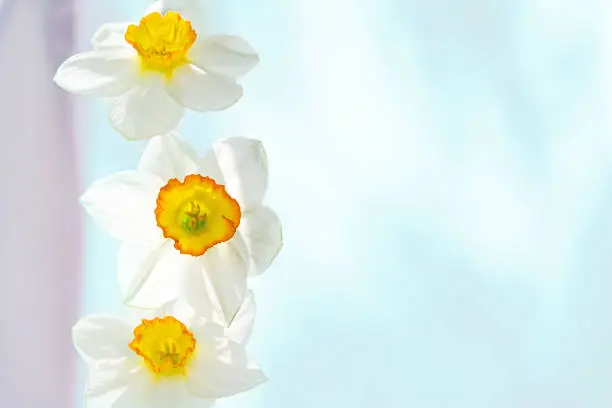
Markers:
40,218
443,170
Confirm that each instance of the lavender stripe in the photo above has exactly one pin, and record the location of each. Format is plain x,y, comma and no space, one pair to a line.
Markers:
39,214
5,11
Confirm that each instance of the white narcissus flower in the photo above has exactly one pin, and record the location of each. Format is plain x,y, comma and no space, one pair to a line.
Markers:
170,358
150,71
190,228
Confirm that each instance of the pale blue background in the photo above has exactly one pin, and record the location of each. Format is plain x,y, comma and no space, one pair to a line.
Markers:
443,171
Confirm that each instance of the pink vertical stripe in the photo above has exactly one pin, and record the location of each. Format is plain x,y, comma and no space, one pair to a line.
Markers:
40,220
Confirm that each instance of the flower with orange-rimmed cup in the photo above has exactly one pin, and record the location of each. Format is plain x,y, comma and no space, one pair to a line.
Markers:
168,357
191,228
150,71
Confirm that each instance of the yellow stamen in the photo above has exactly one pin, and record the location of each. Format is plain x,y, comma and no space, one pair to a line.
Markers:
194,217
196,214
162,42
165,344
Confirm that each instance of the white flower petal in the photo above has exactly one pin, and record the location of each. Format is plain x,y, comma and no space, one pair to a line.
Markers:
226,276
169,156
224,372
145,111
99,73
129,385
136,262
195,89
118,384
156,7
124,204
188,400
151,274
210,167
263,234
242,326
177,308
106,376
190,10
179,5
226,55
244,165
110,36
174,393
99,338
209,332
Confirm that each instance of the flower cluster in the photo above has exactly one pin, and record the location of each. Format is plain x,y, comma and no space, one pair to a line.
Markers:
192,228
